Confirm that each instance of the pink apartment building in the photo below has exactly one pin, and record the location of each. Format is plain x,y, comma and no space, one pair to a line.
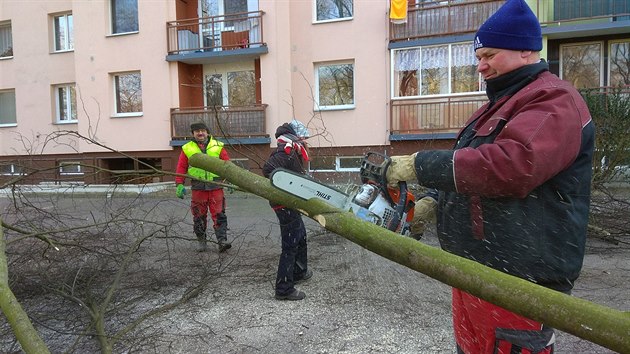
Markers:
104,91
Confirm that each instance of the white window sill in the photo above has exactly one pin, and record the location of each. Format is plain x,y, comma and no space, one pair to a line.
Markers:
128,115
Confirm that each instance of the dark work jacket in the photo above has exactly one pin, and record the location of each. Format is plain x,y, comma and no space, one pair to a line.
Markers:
515,191
280,159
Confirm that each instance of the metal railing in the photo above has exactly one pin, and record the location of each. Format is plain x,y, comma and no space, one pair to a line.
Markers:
433,115
443,18
558,11
215,33
438,18
223,121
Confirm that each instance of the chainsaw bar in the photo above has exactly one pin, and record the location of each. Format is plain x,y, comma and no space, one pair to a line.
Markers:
306,188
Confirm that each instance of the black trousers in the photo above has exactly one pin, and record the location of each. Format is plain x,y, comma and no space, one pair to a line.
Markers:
293,259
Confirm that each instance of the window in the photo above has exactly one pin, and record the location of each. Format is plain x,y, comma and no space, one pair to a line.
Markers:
11,170
581,64
619,63
7,108
128,93
322,163
67,168
64,33
241,88
349,163
335,86
330,10
6,40
436,70
335,163
214,90
66,103
230,85
124,16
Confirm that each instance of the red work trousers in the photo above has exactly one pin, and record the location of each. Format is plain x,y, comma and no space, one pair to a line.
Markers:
483,328
213,201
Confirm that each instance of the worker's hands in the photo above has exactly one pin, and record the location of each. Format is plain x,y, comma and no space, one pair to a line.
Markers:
180,191
402,168
423,213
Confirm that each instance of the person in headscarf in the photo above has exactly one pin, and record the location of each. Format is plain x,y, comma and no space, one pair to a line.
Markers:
291,154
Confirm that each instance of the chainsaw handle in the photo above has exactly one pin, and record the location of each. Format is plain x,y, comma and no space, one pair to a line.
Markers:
373,171
400,207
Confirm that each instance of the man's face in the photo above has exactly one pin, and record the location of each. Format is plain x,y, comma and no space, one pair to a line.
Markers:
495,62
200,135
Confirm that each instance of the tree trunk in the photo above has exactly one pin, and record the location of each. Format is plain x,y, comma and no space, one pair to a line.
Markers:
599,324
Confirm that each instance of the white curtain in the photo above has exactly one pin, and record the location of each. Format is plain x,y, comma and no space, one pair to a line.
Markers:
435,57
407,59
463,54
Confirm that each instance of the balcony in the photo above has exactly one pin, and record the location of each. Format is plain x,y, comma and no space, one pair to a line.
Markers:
554,12
242,123
457,17
216,38
432,117
443,18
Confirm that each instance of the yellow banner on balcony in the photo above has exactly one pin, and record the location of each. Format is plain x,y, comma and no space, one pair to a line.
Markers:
398,11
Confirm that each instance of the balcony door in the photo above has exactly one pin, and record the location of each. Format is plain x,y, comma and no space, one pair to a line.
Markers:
211,8
232,84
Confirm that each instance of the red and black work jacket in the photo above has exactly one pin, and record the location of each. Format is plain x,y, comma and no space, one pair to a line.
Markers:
515,191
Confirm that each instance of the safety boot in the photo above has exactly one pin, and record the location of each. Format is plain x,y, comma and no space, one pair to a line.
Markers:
202,243
221,234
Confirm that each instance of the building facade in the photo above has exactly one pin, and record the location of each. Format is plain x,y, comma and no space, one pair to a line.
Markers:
104,91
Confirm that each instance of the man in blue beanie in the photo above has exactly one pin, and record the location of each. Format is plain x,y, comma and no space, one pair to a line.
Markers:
514,192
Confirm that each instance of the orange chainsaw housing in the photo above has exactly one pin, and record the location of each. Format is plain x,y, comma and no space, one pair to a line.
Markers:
394,193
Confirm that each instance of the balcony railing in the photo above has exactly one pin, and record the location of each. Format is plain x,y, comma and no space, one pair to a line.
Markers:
558,11
434,115
459,17
223,121
215,33
443,18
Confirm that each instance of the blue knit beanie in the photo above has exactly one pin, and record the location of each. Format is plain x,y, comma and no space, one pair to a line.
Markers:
514,26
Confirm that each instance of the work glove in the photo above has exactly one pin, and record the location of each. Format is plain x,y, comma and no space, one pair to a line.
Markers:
423,213
402,168
181,191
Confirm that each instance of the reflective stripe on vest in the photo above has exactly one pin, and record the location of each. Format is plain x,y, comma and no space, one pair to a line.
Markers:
213,149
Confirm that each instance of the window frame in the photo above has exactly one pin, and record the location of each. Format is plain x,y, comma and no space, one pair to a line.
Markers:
9,47
347,169
449,79
68,101
316,21
20,170
68,32
112,19
79,171
317,104
337,164
609,57
115,79
602,46
14,123
225,70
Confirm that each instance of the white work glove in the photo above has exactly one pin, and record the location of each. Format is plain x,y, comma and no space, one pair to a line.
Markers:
423,213
402,168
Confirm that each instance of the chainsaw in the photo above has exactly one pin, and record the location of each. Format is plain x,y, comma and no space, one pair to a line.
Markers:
373,201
